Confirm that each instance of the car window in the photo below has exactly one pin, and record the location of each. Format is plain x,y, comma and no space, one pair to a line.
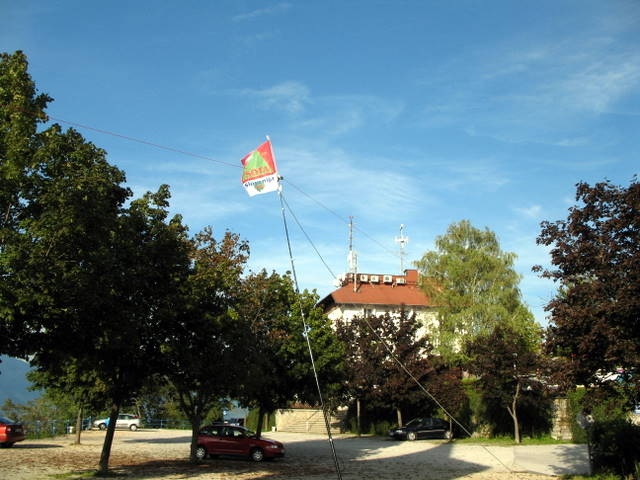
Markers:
237,433
212,431
415,422
5,420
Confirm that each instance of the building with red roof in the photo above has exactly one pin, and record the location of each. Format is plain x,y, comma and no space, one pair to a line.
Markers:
376,294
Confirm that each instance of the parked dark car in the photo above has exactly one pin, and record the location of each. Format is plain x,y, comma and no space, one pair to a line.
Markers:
10,432
225,439
422,428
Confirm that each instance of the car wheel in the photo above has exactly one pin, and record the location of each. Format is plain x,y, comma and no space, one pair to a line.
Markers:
448,435
411,436
102,426
6,444
201,452
133,427
257,455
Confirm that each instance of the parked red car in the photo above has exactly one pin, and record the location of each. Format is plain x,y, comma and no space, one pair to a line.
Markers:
10,432
225,439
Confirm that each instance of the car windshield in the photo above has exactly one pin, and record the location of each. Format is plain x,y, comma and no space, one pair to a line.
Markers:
5,420
415,421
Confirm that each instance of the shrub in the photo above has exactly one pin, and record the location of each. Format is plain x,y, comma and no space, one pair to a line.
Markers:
614,447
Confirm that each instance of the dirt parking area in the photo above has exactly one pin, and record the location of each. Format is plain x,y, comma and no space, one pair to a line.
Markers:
163,454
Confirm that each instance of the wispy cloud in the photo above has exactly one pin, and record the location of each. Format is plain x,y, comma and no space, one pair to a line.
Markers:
289,96
534,211
262,12
544,92
340,114
486,173
335,175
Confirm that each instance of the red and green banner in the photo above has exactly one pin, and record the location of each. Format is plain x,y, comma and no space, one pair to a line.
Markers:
259,172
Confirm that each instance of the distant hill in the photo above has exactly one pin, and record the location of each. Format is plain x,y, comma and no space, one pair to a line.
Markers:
13,381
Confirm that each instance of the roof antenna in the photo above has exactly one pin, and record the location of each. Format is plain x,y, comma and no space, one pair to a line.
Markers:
352,258
402,240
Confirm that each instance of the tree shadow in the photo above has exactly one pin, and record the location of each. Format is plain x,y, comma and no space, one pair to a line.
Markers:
34,446
556,460
185,439
357,458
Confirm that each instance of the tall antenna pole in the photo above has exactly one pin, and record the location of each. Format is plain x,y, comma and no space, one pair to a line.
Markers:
352,258
306,329
402,240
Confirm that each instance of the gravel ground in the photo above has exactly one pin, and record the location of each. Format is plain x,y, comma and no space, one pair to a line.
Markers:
163,454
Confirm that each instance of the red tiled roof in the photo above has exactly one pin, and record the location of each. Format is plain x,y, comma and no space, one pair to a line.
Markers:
378,294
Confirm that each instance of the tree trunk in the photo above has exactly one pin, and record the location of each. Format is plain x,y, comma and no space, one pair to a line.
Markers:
399,414
196,421
260,420
78,426
513,411
103,468
359,432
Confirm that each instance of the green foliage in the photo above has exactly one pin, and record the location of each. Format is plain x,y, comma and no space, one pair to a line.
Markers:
86,282
614,447
575,407
603,406
505,363
488,417
279,368
252,420
475,286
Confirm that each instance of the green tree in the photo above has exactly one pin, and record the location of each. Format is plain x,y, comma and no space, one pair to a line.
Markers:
85,281
506,364
596,263
475,286
206,349
21,110
280,369
78,390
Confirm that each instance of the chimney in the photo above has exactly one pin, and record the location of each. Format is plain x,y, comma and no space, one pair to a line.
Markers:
411,276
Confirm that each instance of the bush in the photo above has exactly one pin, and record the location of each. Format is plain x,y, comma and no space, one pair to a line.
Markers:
614,447
251,422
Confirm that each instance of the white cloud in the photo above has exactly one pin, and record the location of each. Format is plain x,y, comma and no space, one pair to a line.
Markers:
289,96
261,12
534,211
348,182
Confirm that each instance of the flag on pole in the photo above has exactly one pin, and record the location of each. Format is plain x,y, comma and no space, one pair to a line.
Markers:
259,171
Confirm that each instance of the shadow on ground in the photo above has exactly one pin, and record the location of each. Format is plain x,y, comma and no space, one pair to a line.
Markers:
312,459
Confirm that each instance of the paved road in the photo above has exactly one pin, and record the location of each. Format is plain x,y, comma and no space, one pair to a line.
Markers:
162,454
448,459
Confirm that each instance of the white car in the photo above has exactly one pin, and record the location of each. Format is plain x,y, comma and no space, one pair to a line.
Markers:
125,420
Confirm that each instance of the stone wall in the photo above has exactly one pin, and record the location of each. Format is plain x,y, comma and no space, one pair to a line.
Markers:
561,429
308,420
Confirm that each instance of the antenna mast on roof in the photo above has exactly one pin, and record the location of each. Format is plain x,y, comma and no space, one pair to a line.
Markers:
352,258
402,240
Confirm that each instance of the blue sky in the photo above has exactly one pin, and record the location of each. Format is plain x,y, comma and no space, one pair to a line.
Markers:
420,113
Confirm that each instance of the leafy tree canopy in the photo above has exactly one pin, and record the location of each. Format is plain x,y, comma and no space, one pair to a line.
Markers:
280,370
596,263
506,364
474,285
